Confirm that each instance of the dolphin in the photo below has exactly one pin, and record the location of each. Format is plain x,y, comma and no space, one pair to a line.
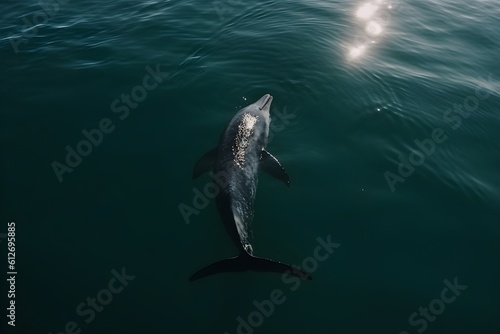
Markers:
236,162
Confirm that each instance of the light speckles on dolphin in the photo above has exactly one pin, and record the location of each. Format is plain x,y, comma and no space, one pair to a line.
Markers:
245,131
240,155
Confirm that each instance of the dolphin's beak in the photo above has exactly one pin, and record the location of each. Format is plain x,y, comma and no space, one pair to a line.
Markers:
265,101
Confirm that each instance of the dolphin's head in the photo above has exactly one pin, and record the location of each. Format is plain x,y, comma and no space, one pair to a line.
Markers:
254,120
264,103
261,107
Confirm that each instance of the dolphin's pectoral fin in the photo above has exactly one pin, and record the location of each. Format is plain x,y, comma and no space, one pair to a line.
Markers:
272,166
205,163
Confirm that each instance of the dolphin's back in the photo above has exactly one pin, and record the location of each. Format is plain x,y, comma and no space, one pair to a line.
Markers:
238,158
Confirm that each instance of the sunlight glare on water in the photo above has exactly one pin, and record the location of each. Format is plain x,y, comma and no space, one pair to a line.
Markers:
371,25
357,51
366,10
373,28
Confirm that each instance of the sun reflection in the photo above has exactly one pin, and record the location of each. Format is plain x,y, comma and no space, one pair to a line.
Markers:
366,11
357,51
373,28
373,19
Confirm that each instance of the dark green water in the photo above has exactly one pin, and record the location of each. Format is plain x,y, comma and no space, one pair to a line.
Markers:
352,95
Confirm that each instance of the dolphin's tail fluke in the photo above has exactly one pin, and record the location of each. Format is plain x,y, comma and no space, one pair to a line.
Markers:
245,262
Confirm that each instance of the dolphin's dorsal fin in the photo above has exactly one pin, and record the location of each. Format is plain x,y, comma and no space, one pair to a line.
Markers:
271,165
206,162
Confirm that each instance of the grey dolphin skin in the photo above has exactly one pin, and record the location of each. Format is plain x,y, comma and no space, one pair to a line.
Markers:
237,160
